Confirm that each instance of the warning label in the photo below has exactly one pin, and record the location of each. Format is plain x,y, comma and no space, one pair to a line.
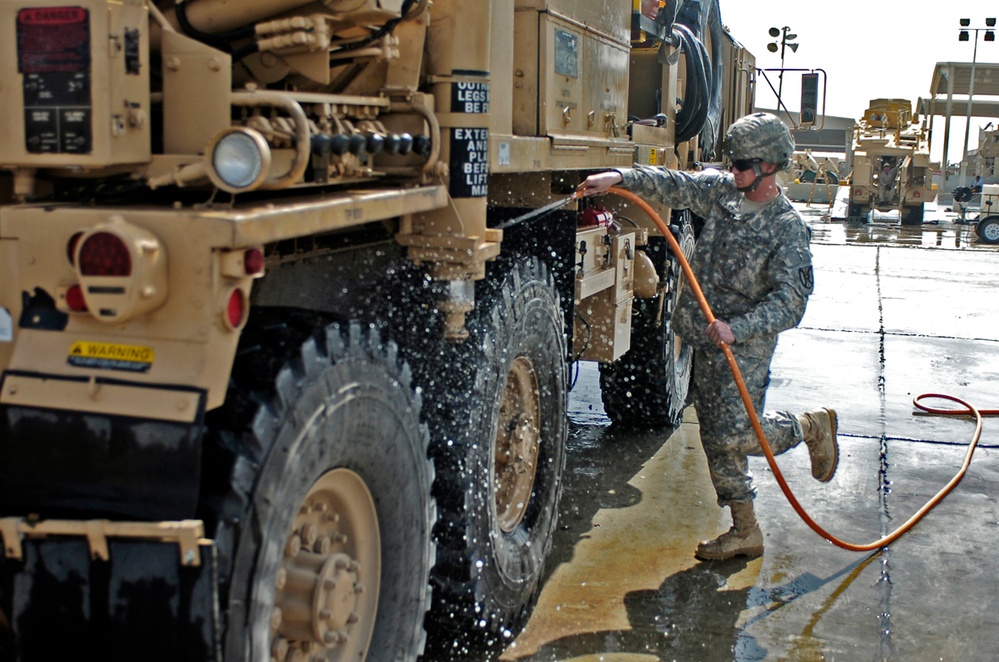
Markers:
469,163
470,98
110,356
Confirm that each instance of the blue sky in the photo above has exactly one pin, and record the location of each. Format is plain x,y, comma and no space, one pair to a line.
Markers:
868,50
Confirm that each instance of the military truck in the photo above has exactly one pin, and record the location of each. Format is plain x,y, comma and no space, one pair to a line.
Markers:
289,296
889,161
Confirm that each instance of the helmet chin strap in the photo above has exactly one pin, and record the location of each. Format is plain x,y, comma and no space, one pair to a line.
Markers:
756,182
759,178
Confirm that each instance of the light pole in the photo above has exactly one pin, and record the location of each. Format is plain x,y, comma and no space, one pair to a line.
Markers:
785,34
964,35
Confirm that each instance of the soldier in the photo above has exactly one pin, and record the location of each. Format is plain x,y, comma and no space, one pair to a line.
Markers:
753,263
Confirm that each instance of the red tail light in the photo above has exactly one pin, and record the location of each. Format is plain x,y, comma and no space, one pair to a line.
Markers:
71,247
235,310
75,300
105,254
122,270
253,261
243,262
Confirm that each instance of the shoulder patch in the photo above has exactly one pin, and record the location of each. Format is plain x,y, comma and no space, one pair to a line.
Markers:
807,277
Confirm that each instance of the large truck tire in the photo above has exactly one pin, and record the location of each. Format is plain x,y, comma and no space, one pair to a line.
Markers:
324,528
912,215
647,387
858,212
496,404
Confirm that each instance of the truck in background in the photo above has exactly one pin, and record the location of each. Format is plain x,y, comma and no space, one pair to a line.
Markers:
889,162
289,295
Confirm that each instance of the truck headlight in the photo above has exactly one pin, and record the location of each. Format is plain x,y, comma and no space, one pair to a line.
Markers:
239,160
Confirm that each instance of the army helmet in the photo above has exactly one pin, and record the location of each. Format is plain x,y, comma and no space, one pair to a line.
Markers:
760,136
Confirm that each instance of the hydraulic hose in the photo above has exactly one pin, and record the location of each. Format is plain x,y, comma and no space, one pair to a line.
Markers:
968,410
693,111
703,20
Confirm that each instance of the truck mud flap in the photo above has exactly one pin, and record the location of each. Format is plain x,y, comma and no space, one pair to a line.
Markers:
63,463
141,604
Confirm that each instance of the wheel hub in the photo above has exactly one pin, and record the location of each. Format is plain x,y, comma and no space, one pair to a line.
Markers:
518,444
328,584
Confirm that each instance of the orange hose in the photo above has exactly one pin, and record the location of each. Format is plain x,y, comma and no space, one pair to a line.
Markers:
748,403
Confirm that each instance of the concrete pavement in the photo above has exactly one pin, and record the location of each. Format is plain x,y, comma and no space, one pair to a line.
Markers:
896,312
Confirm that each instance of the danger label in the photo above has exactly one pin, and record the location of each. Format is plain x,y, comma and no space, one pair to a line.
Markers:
53,39
52,15
110,356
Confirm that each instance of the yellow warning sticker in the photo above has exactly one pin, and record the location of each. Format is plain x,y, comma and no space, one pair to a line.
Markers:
647,155
110,356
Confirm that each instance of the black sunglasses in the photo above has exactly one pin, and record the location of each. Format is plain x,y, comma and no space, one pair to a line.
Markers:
744,164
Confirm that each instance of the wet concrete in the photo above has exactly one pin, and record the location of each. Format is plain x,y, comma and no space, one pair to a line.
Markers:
896,312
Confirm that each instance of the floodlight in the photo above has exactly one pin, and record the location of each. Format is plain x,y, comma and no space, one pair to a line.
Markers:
990,35
238,159
991,22
965,22
772,47
962,35
790,35
774,32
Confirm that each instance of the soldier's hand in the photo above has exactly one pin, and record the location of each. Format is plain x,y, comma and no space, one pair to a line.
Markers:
720,332
598,183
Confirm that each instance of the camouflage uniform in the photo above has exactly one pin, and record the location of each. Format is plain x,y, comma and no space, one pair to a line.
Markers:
755,270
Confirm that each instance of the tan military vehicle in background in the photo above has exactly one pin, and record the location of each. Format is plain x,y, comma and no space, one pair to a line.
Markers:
889,162
289,296
809,180
988,150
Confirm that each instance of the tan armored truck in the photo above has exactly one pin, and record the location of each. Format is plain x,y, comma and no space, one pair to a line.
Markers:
289,296
889,160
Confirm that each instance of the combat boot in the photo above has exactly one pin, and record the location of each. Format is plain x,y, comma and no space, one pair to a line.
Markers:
819,431
743,539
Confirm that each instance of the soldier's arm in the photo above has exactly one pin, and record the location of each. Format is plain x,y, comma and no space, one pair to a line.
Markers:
696,191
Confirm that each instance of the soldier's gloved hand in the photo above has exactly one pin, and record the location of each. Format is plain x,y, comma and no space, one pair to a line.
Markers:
598,183
720,332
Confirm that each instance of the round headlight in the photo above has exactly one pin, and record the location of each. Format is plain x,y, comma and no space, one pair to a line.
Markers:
238,160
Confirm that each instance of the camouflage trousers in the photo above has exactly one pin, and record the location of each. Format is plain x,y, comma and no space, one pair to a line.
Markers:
726,433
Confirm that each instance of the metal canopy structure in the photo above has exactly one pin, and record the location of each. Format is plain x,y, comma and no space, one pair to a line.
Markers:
986,78
955,78
958,107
